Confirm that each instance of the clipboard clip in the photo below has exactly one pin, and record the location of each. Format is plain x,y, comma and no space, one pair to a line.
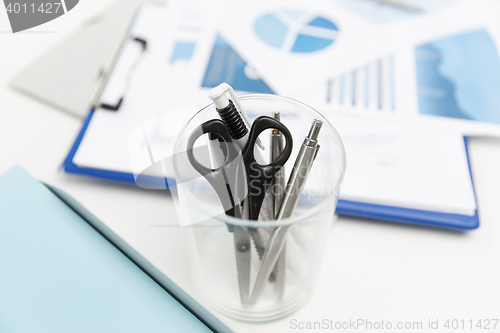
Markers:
113,81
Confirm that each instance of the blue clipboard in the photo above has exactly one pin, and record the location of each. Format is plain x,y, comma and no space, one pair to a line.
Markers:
70,167
344,207
236,77
233,74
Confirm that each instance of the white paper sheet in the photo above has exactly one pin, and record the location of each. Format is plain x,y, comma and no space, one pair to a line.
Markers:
404,164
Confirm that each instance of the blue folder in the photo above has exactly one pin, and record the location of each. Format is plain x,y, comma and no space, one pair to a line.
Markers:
63,270
234,74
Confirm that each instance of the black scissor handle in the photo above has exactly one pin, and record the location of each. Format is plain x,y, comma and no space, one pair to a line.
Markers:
260,125
219,178
260,176
215,127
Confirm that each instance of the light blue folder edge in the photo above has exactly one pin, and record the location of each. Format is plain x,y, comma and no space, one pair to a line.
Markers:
154,273
191,305
344,207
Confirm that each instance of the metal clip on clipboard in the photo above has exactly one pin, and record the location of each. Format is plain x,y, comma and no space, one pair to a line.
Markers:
111,88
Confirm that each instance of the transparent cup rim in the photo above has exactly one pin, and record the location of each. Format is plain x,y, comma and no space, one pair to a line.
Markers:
302,218
271,223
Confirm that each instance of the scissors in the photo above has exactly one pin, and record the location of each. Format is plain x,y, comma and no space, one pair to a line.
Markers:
240,180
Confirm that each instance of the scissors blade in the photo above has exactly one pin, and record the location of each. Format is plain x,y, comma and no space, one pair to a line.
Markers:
243,261
260,244
260,240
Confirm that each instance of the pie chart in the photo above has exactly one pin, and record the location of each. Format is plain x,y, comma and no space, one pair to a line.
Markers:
296,31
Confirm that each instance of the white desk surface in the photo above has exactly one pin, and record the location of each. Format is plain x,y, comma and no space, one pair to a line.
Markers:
372,270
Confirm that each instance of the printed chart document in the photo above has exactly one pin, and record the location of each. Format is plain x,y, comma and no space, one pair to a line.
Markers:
370,56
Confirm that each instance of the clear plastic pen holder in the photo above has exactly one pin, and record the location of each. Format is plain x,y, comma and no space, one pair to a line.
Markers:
215,274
